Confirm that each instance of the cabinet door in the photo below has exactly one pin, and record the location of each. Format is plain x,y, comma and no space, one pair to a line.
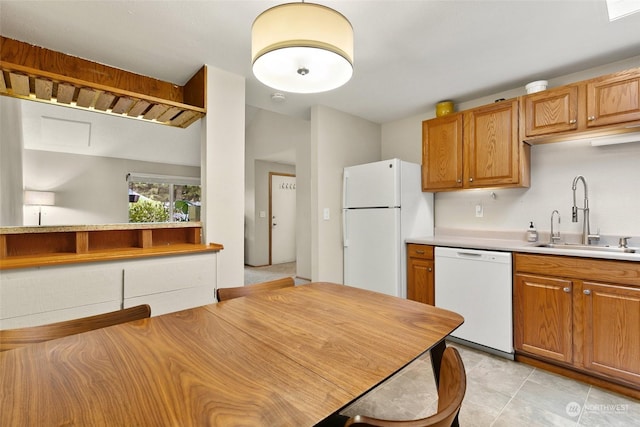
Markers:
492,145
612,330
170,284
613,99
442,153
543,316
420,280
551,111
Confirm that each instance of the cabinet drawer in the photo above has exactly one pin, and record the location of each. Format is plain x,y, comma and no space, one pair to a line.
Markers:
419,251
620,272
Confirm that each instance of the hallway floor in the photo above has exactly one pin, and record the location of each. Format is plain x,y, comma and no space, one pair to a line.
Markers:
271,272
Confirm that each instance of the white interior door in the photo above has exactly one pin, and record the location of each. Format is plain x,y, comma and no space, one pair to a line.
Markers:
283,218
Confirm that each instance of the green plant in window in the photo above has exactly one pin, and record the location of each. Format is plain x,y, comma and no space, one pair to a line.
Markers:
181,212
145,210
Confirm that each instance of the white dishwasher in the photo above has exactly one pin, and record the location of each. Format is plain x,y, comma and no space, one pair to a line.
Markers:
477,285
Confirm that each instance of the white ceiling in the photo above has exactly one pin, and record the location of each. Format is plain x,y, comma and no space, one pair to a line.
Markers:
408,54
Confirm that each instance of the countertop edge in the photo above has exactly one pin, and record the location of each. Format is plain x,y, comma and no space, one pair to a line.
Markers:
507,245
97,227
54,260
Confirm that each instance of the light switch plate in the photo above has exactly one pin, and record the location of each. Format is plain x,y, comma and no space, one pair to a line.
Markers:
479,211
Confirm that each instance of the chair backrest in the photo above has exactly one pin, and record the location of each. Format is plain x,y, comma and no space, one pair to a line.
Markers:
224,294
453,385
14,338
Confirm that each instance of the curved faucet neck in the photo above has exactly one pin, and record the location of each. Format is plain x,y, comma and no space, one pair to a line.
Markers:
575,185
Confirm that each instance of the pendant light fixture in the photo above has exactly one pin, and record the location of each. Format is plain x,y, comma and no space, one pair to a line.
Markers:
302,48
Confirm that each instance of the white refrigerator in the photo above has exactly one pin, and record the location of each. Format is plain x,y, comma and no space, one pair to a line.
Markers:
383,205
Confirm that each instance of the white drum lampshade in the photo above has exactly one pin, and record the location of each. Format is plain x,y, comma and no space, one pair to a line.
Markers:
302,48
40,199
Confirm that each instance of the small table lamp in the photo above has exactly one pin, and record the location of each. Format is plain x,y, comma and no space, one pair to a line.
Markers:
40,199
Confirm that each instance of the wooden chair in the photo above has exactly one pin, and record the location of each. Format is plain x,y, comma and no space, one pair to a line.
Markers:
224,294
14,338
453,384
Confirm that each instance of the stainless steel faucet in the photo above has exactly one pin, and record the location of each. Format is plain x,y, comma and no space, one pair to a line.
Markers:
587,237
555,237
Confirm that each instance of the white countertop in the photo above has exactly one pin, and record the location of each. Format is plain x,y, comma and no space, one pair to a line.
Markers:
471,239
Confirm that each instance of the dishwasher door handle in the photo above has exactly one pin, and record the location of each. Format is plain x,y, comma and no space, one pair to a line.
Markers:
469,254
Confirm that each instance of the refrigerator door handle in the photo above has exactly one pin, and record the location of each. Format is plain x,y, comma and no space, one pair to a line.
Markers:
345,178
345,241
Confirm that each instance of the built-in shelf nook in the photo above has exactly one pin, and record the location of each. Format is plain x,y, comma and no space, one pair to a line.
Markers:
22,247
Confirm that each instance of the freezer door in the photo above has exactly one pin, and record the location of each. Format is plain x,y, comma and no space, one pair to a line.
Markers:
372,185
372,250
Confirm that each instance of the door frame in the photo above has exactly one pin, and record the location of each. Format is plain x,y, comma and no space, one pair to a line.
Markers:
271,175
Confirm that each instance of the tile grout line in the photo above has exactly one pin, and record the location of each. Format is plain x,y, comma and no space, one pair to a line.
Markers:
512,397
584,404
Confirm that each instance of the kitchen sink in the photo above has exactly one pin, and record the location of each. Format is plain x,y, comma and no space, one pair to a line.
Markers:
581,247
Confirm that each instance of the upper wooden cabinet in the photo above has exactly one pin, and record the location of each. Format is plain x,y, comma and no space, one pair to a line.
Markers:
613,99
492,149
477,148
442,153
551,111
605,105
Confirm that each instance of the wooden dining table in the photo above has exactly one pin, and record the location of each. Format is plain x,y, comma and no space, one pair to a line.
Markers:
291,357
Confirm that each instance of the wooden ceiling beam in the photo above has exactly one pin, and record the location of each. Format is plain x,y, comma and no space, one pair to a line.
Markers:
39,74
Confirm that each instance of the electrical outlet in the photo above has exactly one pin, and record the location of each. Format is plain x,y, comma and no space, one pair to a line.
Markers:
479,211
326,214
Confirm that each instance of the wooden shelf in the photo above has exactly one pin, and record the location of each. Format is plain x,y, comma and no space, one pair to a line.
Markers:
38,74
40,246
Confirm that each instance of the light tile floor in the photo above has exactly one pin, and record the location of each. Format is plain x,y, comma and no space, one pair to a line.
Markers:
271,272
500,392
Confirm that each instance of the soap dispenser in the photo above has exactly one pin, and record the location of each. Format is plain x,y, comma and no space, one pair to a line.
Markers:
532,233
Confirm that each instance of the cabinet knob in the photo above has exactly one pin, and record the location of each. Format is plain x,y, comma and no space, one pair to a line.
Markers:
591,118
566,289
586,292
572,121
430,269
459,181
470,179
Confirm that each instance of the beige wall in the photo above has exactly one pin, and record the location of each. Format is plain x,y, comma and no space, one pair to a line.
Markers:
222,159
610,172
337,140
10,162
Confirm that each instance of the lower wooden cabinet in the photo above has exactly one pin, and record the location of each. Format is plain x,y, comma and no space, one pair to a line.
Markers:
420,273
543,317
611,324
580,313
